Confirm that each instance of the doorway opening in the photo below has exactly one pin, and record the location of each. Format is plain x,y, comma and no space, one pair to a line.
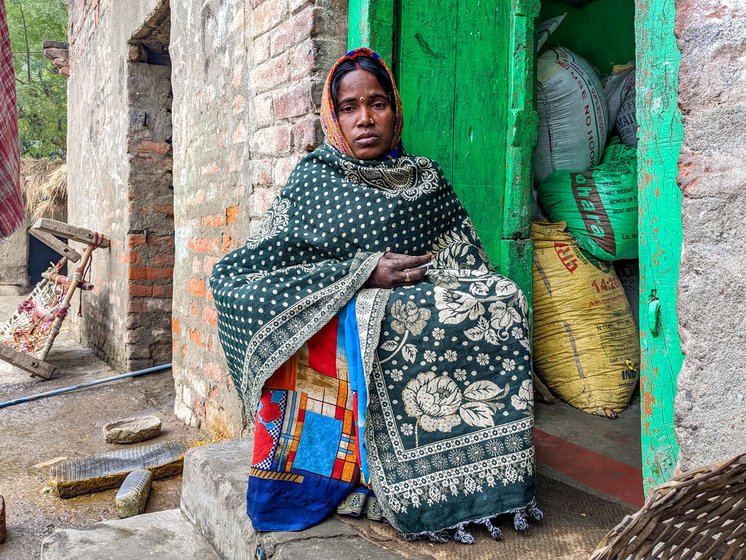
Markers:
599,454
150,199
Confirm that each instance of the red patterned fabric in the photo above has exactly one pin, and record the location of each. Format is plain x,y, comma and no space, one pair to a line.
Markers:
11,203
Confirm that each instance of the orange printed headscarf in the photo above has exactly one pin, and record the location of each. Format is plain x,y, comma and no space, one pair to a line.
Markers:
329,122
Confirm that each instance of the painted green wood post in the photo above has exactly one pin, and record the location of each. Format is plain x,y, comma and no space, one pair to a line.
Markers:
517,248
370,23
660,233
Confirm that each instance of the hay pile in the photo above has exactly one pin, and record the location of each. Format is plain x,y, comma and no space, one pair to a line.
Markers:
44,187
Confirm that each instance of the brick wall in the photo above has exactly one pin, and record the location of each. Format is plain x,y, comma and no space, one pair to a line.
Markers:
101,178
247,80
150,238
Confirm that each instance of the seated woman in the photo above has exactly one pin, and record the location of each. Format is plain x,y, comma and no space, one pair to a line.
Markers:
364,326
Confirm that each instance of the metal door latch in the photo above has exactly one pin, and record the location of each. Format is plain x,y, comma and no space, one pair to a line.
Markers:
654,313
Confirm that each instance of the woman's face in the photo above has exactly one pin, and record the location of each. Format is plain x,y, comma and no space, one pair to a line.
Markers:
365,115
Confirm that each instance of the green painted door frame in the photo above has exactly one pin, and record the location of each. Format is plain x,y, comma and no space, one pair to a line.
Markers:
660,233
444,50
377,24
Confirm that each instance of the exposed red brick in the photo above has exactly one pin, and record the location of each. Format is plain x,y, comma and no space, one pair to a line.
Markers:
131,257
175,326
209,264
209,315
295,5
213,221
149,273
226,245
138,290
272,141
231,214
163,291
138,240
267,15
261,173
163,259
270,74
148,146
204,244
167,209
294,102
196,287
307,23
307,134
214,372
196,337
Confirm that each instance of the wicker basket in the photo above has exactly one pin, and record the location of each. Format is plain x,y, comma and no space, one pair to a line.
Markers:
697,515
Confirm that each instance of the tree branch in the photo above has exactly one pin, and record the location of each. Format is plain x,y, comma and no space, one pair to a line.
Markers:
25,37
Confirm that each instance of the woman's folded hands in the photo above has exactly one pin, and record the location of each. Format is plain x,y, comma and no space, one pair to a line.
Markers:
395,269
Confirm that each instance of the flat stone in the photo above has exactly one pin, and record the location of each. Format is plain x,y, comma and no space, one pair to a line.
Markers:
133,494
166,535
133,430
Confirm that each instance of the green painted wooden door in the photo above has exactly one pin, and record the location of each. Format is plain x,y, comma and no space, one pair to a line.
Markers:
660,235
465,72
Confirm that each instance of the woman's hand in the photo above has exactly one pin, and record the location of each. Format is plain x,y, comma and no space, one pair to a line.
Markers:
394,270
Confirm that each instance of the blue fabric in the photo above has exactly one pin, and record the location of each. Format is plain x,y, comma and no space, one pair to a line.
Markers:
357,380
274,506
279,498
318,444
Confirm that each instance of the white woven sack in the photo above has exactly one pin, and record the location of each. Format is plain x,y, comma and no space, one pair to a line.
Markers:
573,116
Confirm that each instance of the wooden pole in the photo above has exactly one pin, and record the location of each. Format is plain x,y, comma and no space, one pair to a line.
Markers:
65,304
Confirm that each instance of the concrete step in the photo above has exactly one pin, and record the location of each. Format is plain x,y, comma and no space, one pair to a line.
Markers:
165,535
213,497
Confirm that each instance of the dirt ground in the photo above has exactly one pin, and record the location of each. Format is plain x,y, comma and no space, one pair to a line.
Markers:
71,426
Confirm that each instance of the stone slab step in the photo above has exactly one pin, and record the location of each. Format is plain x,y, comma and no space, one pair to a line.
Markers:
165,535
213,497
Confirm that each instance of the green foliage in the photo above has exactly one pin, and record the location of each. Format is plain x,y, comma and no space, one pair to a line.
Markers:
41,90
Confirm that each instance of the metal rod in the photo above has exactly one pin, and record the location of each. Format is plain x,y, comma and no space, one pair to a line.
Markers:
84,385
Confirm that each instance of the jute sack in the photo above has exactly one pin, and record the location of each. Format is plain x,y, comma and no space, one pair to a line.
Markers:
586,344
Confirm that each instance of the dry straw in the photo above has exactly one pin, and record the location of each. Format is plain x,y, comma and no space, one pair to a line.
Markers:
44,186
697,515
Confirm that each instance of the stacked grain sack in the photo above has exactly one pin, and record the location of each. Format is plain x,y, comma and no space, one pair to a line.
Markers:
586,342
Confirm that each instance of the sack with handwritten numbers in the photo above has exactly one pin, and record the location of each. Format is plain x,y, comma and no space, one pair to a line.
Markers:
586,344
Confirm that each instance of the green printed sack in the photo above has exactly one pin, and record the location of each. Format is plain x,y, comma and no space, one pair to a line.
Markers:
599,205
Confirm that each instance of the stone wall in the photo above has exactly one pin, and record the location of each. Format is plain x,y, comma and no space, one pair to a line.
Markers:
105,194
710,418
247,81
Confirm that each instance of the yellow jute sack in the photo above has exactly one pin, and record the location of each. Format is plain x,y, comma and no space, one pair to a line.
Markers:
586,345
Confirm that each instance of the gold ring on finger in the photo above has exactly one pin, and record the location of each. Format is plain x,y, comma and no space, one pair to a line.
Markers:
407,280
